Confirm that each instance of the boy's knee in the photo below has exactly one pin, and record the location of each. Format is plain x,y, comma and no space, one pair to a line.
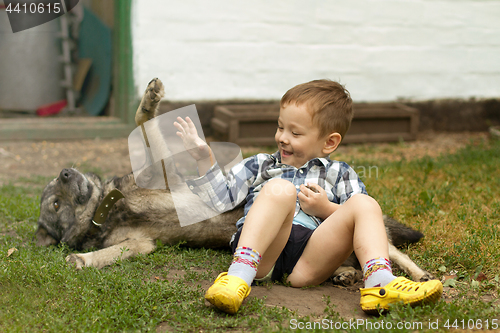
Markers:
365,202
280,188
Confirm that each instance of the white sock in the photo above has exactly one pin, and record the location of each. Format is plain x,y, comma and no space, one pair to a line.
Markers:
245,263
377,273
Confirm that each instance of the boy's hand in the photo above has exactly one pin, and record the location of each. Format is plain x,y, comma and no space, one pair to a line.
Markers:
314,201
198,148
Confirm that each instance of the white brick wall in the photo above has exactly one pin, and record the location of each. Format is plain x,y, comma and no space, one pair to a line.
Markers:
380,49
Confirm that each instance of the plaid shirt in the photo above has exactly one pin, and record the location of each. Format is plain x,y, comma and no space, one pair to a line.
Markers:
245,180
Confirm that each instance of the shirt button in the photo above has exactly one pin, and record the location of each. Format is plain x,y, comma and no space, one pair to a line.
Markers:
191,187
301,171
297,186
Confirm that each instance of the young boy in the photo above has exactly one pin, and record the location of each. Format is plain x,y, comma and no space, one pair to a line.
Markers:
304,213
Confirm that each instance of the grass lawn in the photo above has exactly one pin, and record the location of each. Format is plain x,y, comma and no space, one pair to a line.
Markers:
454,199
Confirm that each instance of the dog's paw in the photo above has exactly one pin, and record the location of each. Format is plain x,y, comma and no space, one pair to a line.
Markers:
347,277
155,90
427,277
150,101
76,261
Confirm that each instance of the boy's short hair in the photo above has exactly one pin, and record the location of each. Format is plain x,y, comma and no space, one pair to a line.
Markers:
328,101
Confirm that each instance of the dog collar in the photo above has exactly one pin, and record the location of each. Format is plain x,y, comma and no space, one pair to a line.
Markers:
107,203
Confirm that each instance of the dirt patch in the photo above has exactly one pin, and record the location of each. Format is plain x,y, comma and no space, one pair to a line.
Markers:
301,301
313,301
48,158
110,157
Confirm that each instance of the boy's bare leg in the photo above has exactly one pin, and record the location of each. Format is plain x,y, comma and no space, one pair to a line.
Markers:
357,225
266,231
269,222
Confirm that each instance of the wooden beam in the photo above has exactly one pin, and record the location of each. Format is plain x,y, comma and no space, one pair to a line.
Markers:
124,88
60,128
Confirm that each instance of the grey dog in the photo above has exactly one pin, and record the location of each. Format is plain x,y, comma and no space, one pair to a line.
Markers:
136,221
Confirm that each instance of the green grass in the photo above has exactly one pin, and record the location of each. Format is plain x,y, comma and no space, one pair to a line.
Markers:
453,199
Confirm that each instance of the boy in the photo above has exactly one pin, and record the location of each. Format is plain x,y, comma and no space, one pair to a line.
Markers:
304,213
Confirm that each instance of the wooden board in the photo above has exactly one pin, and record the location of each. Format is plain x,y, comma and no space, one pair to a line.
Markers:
255,124
59,128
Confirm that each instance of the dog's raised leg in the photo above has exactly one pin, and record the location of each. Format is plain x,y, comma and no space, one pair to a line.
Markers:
150,102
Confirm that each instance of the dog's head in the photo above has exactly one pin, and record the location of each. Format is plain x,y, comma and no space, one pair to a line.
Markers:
67,206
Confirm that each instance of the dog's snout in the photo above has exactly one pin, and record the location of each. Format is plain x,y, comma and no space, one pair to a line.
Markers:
65,175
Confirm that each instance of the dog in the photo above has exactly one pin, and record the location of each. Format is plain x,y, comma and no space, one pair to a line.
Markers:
138,217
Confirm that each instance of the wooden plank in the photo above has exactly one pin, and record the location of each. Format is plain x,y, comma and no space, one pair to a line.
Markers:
249,124
247,111
265,141
249,129
52,121
382,113
124,95
415,118
376,110
234,130
219,126
378,137
380,125
62,128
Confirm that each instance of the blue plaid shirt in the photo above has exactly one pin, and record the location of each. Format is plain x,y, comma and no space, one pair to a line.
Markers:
245,180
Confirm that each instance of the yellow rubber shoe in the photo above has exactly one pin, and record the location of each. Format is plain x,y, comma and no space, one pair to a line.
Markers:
399,290
227,293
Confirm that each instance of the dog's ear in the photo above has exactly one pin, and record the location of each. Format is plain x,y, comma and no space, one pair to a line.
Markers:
43,238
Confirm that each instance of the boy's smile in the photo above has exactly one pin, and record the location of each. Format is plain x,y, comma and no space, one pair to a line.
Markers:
298,137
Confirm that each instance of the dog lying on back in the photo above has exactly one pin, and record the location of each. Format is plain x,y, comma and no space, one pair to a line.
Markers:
136,221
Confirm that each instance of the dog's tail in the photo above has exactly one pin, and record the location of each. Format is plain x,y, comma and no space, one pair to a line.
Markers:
400,234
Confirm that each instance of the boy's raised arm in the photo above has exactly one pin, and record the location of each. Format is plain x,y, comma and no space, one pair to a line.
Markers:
196,147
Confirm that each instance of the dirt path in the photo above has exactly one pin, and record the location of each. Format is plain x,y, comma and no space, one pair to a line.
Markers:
27,159
110,157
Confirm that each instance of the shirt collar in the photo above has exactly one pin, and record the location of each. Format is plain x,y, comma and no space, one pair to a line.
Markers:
325,161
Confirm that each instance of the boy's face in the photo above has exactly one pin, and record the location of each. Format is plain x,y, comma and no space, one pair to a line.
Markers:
298,138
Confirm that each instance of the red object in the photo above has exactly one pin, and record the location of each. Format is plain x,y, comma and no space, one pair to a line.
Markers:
51,109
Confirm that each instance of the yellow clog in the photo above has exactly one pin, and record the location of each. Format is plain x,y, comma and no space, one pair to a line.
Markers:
227,293
399,290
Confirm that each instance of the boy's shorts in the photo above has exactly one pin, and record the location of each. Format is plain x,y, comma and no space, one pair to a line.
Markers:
291,253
